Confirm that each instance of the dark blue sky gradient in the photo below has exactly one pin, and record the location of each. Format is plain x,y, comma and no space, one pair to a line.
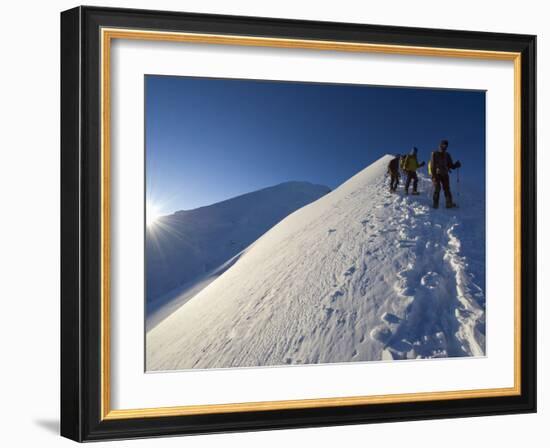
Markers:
211,139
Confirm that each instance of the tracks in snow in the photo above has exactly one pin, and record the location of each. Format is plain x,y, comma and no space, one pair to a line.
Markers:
438,311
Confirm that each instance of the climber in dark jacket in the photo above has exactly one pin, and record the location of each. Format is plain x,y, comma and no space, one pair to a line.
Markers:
393,171
441,164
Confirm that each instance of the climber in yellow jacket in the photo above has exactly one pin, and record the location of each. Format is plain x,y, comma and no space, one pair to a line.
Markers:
409,164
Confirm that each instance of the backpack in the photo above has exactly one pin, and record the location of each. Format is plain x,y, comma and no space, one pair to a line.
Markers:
403,162
410,163
442,162
393,165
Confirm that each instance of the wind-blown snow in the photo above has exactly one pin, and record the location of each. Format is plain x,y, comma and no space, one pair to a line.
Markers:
188,248
358,275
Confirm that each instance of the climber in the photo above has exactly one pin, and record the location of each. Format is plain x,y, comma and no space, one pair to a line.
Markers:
439,167
410,165
393,171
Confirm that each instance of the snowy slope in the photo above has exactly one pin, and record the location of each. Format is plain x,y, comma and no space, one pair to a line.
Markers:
187,247
358,275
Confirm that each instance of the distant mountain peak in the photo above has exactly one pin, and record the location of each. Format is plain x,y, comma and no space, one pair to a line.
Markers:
184,246
304,186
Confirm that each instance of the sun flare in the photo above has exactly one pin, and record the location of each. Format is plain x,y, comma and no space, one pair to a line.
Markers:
152,214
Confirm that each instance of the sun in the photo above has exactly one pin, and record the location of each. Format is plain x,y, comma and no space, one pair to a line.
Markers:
152,214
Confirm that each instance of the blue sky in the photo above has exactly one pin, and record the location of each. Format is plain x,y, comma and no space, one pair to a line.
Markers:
211,139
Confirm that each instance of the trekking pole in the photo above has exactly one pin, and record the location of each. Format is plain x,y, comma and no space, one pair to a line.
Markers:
431,190
458,182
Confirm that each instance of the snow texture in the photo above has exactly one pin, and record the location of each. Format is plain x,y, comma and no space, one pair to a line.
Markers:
189,248
360,274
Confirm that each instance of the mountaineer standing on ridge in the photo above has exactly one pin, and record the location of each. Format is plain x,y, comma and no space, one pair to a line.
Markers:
439,167
410,165
393,171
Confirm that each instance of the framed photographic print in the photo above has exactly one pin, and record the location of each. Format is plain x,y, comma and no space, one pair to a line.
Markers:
273,223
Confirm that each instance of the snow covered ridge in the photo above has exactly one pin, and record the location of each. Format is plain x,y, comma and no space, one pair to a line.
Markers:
358,275
184,247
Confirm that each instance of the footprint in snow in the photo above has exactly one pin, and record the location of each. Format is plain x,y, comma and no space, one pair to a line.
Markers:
430,280
335,295
381,333
391,318
403,285
350,271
